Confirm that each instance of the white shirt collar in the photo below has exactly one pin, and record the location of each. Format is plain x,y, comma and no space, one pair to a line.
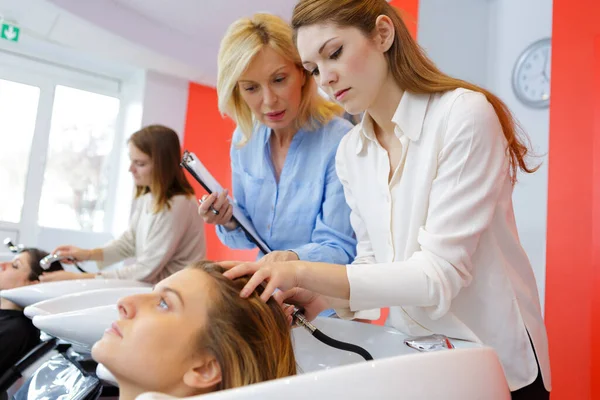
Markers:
408,118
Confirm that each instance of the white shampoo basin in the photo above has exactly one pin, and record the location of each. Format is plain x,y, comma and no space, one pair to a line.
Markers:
28,295
83,300
459,374
469,371
379,341
81,327
104,375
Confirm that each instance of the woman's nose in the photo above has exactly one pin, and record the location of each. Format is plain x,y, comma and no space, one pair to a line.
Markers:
269,97
327,77
126,307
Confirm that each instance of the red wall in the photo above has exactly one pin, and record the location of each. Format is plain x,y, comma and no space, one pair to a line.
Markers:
208,135
595,275
409,9
573,238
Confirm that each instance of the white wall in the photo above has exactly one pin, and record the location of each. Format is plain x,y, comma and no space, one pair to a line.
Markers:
454,33
165,101
517,24
480,41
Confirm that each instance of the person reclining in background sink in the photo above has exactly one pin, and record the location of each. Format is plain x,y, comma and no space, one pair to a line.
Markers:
17,333
194,334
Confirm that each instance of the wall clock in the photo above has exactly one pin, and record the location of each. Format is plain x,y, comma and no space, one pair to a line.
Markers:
531,75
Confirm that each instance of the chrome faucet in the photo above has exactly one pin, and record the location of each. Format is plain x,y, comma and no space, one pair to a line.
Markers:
429,343
12,247
46,261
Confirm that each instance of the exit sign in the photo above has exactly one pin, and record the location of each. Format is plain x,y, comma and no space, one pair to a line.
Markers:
9,32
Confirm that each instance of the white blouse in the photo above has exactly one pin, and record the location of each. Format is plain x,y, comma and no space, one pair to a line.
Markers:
162,243
438,243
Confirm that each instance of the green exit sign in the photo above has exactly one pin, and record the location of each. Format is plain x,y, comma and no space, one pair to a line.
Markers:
9,32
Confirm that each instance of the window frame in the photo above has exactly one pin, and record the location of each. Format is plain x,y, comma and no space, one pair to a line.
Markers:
47,76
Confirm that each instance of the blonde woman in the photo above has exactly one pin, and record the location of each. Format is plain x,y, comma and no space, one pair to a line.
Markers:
429,175
193,335
165,234
283,150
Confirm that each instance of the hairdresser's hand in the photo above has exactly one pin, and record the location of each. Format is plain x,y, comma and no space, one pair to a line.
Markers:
312,303
278,256
63,276
216,209
276,275
74,252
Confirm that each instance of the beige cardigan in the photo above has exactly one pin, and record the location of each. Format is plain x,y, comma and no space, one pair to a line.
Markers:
162,243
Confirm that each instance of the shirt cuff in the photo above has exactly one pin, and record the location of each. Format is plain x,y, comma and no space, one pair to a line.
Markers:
303,252
235,238
107,275
110,254
347,314
386,285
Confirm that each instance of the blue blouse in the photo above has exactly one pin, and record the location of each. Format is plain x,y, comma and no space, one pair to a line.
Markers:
306,212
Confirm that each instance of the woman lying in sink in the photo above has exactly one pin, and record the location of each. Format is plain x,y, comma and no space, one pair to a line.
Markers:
194,334
17,333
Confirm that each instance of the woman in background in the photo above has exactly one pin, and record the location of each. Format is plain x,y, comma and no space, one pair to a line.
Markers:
165,234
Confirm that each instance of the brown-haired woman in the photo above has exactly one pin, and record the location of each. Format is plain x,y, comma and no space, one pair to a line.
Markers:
429,175
194,334
165,233
17,333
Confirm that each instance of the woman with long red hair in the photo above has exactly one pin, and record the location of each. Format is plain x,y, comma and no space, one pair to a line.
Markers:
428,175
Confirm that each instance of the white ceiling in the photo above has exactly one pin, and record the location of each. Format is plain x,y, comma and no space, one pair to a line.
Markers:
177,37
204,18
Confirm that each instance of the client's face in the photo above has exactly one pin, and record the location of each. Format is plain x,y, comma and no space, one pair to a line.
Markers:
154,344
15,273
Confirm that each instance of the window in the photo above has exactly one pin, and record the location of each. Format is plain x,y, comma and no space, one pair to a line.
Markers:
76,178
61,134
18,112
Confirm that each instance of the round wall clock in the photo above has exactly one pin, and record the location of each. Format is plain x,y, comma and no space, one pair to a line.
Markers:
531,75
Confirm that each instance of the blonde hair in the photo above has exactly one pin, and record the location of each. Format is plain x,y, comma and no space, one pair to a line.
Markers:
162,145
411,68
244,39
250,339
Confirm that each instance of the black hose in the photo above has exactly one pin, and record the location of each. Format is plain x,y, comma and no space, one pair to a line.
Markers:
300,320
79,268
342,345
